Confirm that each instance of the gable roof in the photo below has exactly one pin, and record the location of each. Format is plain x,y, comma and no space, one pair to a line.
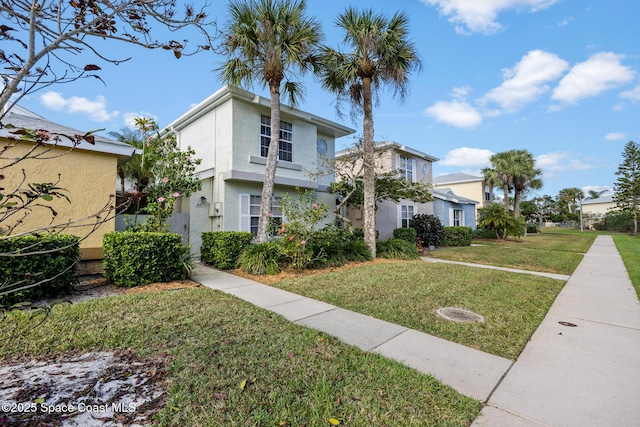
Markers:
226,93
20,117
599,200
448,195
382,145
456,178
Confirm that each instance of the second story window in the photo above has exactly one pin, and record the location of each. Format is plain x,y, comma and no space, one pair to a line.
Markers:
285,146
406,168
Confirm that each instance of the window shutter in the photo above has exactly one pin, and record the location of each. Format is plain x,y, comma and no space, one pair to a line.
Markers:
450,217
399,216
245,219
414,167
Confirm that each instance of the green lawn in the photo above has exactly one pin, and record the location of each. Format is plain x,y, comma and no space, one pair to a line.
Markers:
629,248
215,341
409,293
555,250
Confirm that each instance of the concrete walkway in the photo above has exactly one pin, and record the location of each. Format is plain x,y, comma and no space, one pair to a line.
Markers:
587,375
556,276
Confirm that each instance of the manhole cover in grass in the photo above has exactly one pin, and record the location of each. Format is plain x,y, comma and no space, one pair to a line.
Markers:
459,315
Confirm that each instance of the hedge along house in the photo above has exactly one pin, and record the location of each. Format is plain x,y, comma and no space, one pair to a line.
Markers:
88,175
230,131
411,164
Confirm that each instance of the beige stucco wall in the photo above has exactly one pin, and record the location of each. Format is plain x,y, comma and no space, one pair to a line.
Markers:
88,177
599,209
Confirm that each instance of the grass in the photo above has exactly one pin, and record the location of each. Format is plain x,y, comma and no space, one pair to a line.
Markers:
629,248
297,376
555,250
409,292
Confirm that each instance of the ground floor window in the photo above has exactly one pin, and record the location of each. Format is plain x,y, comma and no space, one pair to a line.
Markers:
458,218
252,213
406,215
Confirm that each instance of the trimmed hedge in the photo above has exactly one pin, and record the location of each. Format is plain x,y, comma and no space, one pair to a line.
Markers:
406,233
138,258
222,248
57,267
456,236
484,233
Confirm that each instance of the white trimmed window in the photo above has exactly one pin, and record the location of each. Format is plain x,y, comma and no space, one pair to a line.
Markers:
285,146
406,215
250,212
458,217
406,168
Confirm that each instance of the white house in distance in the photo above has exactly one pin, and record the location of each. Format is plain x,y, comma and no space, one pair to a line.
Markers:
413,165
230,131
594,210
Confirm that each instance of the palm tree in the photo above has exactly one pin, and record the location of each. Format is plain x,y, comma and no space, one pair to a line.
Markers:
525,176
502,164
570,196
381,54
268,40
491,179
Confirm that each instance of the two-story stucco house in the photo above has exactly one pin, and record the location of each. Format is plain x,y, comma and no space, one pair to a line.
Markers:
230,131
412,165
468,187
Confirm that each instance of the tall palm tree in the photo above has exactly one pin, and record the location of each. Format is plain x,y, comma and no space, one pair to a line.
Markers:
502,164
380,54
491,179
570,196
270,41
525,176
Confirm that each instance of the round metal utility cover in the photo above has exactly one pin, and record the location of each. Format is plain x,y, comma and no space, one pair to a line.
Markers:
459,315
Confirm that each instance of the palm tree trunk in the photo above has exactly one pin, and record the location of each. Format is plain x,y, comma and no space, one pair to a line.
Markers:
505,198
270,168
516,203
369,169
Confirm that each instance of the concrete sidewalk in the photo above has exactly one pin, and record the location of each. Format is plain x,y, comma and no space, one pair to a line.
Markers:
586,375
471,372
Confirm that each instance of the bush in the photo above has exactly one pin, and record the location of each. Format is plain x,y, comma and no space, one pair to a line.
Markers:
618,221
456,236
428,229
334,246
397,249
57,267
139,258
261,258
532,228
484,233
406,233
222,248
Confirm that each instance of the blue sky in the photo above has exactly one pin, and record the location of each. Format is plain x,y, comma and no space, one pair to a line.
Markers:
559,78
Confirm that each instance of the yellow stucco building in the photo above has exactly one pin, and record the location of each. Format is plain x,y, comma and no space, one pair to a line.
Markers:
86,172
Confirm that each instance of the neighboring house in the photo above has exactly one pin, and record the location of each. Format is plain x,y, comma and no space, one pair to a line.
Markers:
230,131
594,210
454,210
412,165
88,173
466,186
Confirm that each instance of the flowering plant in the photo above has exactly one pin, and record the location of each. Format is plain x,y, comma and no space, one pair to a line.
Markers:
304,215
172,173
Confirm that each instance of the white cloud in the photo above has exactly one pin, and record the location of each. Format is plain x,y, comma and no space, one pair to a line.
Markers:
565,21
130,116
96,110
614,136
455,113
479,16
601,72
560,162
527,80
477,158
633,94
605,190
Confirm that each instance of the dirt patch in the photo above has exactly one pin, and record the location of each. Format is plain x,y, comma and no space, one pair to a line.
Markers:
270,279
92,389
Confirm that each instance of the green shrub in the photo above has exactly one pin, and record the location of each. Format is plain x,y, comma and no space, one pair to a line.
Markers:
484,233
139,258
54,265
333,246
222,248
618,221
357,250
456,236
532,228
261,258
406,233
397,249
428,229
